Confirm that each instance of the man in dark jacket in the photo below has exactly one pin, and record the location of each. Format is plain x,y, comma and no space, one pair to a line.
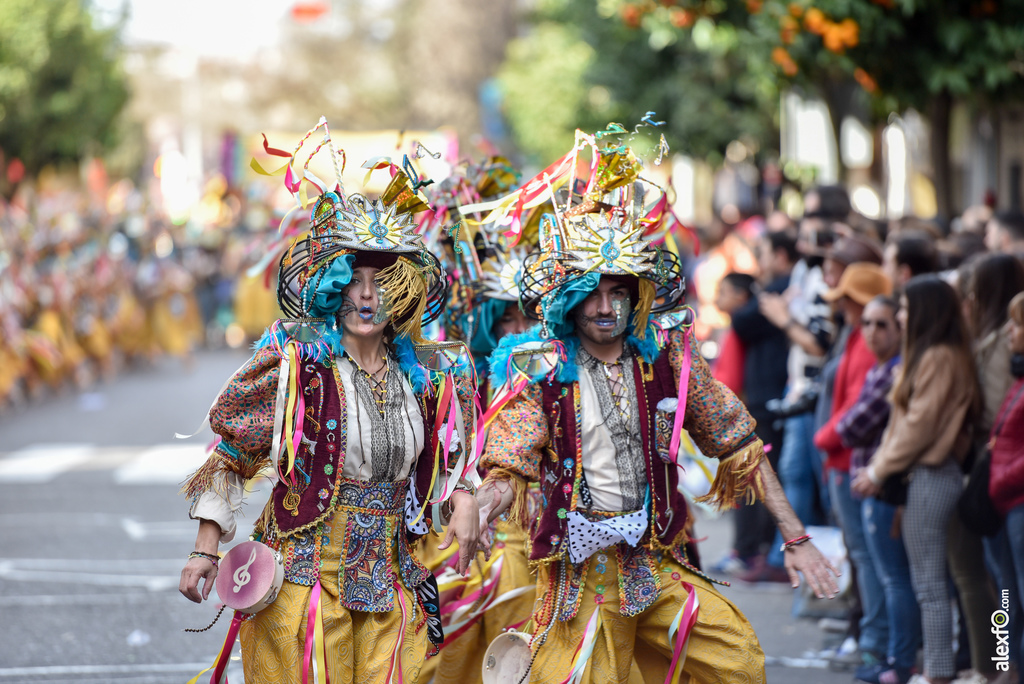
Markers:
764,379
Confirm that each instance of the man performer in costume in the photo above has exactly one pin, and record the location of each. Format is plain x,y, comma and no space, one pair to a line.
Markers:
593,410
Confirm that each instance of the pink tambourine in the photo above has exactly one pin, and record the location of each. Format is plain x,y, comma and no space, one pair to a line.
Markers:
250,576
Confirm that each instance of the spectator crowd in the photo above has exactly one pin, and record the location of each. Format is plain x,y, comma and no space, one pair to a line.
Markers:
884,363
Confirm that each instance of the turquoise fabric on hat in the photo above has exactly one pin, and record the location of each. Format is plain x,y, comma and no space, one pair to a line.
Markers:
487,314
327,298
568,298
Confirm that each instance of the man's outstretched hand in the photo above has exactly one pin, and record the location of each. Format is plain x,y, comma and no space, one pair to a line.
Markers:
819,573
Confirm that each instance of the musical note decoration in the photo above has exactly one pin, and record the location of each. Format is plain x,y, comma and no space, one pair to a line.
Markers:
662,150
414,178
453,232
242,576
422,151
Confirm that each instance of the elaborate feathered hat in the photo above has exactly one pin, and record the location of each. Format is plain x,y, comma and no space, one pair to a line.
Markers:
346,232
607,229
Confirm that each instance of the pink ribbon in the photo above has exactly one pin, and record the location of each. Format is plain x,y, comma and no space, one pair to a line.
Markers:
300,409
314,606
219,675
684,386
690,610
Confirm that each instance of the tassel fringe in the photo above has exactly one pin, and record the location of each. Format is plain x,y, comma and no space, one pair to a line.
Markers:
407,295
642,312
738,478
245,465
519,511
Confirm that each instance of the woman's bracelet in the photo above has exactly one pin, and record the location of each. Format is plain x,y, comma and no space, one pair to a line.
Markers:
795,542
208,556
447,507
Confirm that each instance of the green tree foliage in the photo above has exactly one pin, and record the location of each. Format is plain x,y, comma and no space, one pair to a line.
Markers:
61,86
582,67
903,52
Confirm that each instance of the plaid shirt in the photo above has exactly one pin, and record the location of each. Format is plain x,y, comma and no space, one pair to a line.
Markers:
862,426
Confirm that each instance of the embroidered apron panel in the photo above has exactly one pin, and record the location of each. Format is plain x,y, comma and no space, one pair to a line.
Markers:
375,510
639,580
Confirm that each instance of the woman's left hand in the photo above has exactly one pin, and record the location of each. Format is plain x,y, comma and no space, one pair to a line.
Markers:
464,528
862,485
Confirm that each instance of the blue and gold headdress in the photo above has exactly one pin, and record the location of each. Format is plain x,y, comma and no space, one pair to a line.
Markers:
346,232
605,230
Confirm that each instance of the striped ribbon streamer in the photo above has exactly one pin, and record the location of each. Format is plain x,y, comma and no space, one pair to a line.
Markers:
679,632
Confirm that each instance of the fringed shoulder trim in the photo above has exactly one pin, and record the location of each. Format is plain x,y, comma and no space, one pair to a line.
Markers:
425,365
321,349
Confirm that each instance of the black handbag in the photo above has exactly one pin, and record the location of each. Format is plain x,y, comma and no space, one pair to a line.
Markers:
894,489
975,507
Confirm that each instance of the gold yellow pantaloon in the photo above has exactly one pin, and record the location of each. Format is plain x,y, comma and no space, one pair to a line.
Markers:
359,645
461,661
722,645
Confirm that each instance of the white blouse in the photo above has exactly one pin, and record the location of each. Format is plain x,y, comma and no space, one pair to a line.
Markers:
224,499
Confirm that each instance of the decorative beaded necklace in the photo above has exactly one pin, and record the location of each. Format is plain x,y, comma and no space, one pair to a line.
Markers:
379,386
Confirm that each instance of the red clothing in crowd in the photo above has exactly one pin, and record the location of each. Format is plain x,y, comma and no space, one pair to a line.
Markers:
1006,480
854,365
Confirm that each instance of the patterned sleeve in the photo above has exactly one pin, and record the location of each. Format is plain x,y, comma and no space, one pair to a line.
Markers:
243,417
720,426
517,437
716,419
465,391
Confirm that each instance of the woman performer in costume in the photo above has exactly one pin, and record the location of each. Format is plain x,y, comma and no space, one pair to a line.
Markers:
599,429
382,444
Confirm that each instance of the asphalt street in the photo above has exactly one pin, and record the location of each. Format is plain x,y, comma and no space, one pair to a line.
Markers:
93,535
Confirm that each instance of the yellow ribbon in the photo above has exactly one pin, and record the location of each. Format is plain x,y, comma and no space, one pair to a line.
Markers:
195,679
255,166
289,414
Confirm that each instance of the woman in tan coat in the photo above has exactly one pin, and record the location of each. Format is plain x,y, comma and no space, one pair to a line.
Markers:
935,401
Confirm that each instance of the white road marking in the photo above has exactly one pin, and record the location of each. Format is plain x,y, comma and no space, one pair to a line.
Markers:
154,668
184,529
162,464
41,463
93,564
152,582
105,599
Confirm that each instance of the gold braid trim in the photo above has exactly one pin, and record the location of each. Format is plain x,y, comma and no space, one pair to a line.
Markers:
247,466
519,511
642,312
406,293
738,478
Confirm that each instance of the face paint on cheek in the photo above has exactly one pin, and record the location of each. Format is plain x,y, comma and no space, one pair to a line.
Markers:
347,307
383,312
621,309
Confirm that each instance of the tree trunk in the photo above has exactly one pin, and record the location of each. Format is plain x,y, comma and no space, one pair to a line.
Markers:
938,117
840,98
